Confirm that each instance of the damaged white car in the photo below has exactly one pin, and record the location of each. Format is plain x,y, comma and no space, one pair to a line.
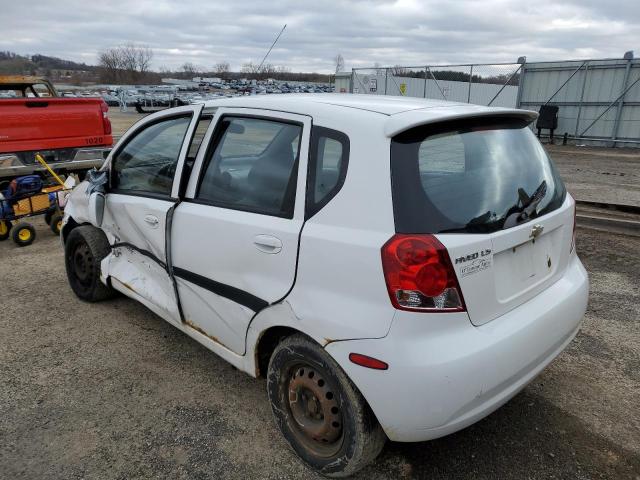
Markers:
397,268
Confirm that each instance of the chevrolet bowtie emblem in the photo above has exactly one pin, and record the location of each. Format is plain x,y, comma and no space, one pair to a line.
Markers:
536,230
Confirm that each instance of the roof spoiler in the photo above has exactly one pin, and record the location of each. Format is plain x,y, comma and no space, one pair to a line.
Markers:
413,118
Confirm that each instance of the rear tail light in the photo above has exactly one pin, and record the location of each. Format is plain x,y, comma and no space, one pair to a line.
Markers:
573,235
106,123
419,275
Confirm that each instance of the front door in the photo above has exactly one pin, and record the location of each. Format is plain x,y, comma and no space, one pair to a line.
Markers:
235,236
141,192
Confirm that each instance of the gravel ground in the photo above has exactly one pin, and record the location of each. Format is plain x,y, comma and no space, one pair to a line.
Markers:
110,391
605,175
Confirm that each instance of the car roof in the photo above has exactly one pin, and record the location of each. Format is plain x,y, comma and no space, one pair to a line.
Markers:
396,113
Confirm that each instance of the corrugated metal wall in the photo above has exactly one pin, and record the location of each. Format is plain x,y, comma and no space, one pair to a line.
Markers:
587,94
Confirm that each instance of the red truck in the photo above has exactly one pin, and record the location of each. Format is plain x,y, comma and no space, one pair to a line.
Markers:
72,134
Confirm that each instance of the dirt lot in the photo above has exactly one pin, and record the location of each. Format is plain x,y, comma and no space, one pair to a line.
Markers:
604,175
110,390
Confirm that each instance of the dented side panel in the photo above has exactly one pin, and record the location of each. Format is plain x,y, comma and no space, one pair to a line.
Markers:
142,276
220,319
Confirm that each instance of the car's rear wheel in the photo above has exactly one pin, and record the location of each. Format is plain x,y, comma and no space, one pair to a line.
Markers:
84,249
319,411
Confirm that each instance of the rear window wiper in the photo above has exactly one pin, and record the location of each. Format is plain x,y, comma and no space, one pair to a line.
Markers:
529,204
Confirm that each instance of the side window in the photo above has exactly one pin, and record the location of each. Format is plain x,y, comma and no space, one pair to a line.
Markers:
253,166
198,135
41,90
327,167
147,163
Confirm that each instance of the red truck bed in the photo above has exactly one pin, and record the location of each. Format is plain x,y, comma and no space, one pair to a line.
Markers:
30,124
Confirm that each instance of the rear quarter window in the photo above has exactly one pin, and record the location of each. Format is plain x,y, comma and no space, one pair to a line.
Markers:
328,162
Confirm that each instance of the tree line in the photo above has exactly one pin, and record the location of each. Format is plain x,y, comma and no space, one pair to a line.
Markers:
130,64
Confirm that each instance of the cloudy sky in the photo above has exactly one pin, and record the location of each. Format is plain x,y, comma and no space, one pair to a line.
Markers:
407,32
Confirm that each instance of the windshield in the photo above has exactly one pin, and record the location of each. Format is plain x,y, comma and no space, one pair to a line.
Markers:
477,176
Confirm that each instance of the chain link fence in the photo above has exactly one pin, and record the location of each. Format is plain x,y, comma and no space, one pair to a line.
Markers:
482,84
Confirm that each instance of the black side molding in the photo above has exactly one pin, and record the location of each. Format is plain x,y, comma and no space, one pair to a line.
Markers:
227,291
146,253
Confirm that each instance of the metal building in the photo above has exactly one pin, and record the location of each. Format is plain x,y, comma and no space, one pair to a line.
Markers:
598,100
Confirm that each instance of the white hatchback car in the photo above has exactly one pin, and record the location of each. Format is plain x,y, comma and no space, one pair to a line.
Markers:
397,268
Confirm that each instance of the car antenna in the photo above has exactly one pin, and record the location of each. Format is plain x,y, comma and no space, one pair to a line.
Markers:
271,47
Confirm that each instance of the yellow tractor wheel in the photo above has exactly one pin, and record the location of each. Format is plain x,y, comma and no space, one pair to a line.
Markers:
23,234
5,229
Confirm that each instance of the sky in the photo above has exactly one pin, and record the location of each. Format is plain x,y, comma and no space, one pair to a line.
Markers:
403,32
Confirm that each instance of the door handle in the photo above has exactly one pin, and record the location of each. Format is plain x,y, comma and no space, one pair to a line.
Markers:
152,221
267,243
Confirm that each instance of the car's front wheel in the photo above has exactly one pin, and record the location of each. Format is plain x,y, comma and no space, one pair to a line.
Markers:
84,249
319,411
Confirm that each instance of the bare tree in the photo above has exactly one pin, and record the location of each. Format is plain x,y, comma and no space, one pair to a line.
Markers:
250,68
190,70
338,60
256,71
111,66
125,64
399,71
144,56
221,69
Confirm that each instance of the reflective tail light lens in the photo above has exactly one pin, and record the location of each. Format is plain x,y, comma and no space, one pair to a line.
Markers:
106,123
419,275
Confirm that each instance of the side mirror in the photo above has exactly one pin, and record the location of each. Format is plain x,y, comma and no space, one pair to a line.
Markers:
96,191
96,208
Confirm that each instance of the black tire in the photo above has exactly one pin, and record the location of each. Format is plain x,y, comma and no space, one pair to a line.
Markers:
47,217
84,249
5,229
23,234
55,223
329,424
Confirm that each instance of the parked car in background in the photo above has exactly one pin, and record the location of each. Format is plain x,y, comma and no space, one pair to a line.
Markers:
72,134
397,268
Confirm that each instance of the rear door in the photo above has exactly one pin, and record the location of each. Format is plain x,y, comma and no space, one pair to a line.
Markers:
235,236
491,195
142,191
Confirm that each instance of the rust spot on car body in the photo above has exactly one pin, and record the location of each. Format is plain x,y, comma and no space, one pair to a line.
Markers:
203,332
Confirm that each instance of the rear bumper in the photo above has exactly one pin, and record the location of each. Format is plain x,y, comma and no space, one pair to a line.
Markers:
84,159
445,374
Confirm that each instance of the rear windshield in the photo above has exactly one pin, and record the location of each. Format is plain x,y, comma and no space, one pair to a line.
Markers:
477,176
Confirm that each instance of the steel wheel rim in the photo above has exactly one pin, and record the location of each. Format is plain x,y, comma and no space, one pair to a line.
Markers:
82,262
317,420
